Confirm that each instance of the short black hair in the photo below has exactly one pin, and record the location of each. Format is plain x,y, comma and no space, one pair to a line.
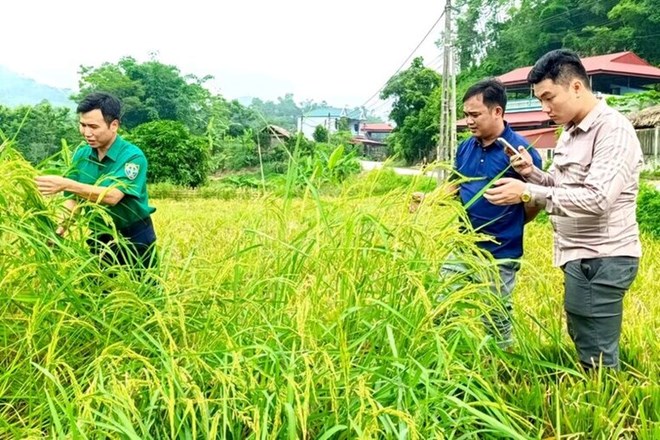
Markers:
492,92
560,66
109,105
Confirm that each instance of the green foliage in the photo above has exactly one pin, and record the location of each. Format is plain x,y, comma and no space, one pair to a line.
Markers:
320,134
648,210
329,164
235,153
416,110
494,37
174,154
633,102
39,130
284,112
153,91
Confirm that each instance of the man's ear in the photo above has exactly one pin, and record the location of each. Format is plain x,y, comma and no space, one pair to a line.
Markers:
577,86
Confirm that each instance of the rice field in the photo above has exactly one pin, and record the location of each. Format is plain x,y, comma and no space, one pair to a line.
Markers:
312,317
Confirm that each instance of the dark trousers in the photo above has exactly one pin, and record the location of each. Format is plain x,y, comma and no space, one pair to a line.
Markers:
593,300
139,250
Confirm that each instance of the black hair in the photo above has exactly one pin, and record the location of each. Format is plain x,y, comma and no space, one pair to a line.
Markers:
492,92
109,105
559,66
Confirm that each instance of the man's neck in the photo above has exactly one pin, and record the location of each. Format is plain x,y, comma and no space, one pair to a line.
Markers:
590,103
490,139
101,152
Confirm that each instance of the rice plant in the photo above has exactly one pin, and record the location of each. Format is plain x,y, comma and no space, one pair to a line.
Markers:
313,317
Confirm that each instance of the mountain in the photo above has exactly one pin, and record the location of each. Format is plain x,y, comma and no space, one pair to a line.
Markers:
17,90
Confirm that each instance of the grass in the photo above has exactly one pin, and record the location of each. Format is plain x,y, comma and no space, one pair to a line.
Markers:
299,318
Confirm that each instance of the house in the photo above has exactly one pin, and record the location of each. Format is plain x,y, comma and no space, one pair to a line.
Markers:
330,118
276,134
371,138
611,74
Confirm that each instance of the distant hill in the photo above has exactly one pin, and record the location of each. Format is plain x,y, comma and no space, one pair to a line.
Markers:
17,90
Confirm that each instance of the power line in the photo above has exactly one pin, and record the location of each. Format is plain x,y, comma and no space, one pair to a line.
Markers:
407,59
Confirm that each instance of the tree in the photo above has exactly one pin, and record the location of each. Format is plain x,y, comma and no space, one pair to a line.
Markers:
39,130
153,91
174,154
320,134
284,112
416,110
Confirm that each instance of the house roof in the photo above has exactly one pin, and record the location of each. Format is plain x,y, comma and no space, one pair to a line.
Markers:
377,127
649,117
277,130
540,138
364,141
620,63
518,119
333,112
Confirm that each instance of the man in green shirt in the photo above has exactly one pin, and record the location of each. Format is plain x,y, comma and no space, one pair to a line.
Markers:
112,172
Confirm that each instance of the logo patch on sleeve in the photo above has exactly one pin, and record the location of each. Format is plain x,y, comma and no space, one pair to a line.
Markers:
131,170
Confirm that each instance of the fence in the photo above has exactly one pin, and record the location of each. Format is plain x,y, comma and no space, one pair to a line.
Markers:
649,139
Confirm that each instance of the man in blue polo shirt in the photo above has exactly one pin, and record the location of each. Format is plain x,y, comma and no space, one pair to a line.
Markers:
483,158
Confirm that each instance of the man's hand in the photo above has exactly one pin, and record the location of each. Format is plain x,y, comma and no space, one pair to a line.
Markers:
49,185
416,199
505,191
522,162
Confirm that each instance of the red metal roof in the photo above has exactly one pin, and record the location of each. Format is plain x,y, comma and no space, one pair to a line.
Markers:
541,137
621,63
376,127
521,119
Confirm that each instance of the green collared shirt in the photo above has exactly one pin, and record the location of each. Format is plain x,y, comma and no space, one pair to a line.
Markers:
124,167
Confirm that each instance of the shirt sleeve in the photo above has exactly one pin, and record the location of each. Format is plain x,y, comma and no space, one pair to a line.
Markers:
612,167
130,178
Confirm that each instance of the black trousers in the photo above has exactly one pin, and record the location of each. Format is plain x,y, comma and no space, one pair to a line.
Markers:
139,251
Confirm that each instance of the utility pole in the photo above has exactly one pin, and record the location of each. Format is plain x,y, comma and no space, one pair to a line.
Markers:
446,147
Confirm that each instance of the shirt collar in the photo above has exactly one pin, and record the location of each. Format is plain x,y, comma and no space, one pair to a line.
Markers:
506,133
113,151
588,120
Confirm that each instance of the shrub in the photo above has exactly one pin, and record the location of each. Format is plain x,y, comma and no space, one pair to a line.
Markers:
174,154
648,210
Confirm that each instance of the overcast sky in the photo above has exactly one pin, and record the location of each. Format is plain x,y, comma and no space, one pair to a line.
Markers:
341,51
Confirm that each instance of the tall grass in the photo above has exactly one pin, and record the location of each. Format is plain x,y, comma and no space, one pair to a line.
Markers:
313,318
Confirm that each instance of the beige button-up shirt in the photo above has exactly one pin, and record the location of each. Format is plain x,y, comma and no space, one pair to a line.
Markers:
590,190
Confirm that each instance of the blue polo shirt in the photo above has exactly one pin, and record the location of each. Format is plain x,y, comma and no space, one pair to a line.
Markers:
486,162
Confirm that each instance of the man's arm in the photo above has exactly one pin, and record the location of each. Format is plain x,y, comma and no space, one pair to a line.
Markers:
523,164
616,156
49,185
531,211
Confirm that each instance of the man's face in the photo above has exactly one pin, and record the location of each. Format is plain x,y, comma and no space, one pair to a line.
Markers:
97,132
483,122
559,101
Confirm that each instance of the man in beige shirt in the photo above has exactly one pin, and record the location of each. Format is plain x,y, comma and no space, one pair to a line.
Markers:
590,192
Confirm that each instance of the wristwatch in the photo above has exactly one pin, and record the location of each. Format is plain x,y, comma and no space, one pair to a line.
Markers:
526,195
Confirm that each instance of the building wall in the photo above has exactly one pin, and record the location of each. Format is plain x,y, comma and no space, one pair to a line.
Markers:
309,124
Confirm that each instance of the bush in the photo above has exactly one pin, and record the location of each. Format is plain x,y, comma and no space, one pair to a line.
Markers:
648,210
235,153
174,154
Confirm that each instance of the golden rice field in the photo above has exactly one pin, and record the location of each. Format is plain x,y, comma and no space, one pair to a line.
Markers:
314,318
